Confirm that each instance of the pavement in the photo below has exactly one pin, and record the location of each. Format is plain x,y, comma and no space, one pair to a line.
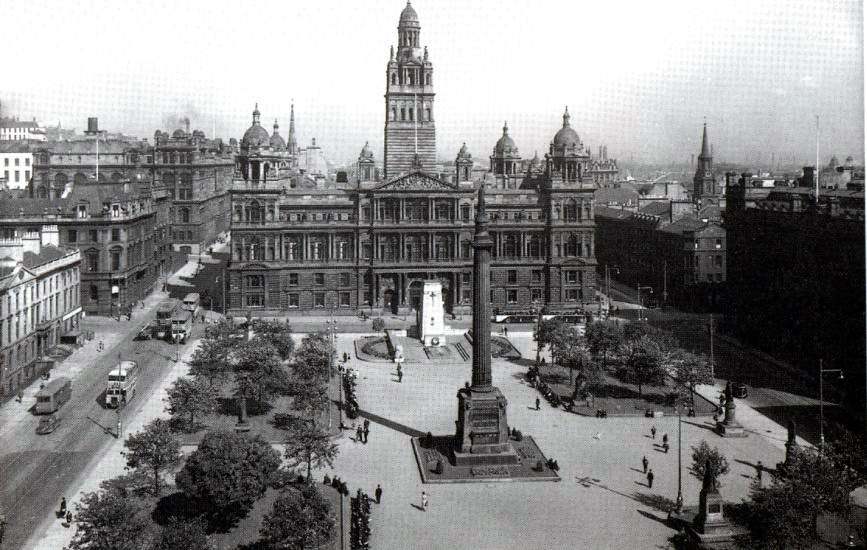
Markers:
602,502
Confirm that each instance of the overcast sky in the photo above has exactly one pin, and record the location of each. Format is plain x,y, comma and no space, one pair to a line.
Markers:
637,76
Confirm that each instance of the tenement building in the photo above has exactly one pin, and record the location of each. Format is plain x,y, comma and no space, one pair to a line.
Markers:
39,301
371,243
796,273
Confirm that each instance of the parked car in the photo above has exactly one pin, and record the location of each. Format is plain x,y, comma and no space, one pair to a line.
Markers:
48,424
146,333
739,390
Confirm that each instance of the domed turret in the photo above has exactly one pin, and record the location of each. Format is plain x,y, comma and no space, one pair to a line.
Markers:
179,134
255,136
566,136
366,152
408,17
276,140
505,145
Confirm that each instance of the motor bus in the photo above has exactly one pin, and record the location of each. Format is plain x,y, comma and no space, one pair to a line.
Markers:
165,310
182,324
122,381
191,302
53,395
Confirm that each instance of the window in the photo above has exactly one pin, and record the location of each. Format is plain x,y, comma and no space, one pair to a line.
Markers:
255,300
115,260
465,278
319,278
367,298
115,235
536,295
73,236
26,162
17,161
344,279
512,276
571,294
536,276
293,301
293,279
94,235
512,296
318,299
718,261
719,243
572,277
185,215
93,260
94,293
465,213
255,281
344,299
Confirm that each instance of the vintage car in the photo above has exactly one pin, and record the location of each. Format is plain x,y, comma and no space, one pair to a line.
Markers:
48,424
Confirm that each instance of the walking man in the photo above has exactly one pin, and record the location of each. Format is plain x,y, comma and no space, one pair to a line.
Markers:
650,479
359,434
63,507
653,432
665,447
664,439
366,429
644,463
399,373
423,501
537,403
378,493
20,395
759,469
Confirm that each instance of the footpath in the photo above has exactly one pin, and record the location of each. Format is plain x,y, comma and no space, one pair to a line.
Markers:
111,463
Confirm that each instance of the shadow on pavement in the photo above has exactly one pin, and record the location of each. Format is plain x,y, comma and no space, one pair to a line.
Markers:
391,424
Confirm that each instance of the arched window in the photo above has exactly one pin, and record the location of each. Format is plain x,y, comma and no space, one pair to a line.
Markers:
411,113
403,113
316,250
427,114
255,250
535,246
291,250
254,212
571,210
80,179
393,79
572,245
60,180
168,178
394,113
184,215
341,250
42,193
427,79
510,248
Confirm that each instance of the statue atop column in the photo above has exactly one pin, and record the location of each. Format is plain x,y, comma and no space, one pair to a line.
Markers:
729,426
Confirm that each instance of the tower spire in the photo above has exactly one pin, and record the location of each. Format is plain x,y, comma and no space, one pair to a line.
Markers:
705,146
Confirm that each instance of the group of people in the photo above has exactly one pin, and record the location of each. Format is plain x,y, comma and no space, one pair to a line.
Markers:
362,431
65,514
648,472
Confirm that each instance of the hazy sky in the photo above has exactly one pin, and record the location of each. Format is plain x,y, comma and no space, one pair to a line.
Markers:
637,76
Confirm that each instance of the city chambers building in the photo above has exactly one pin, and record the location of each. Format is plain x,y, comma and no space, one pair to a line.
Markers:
370,244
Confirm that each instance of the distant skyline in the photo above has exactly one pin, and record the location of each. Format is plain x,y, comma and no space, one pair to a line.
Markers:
639,77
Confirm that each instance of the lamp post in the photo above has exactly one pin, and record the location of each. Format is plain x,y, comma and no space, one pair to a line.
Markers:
822,403
711,348
679,501
608,282
538,312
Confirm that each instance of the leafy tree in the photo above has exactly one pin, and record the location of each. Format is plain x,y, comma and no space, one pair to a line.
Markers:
185,534
306,444
189,398
299,519
228,472
257,372
689,370
784,514
543,332
211,358
154,450
310,397
277,334
603,338
719,465
313,356
643,362
108,520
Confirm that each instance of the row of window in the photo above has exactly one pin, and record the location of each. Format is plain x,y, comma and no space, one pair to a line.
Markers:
258,281
294,299
17,175
48,308
93,235
17,161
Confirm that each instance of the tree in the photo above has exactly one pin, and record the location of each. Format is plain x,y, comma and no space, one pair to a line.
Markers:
643,362
108,520
784,514
703,454
306,444
154,450
543,332
257,371
211,358
277,334
313,357
603,338
299,519
689,370
228,472
310,397
189,398
186,534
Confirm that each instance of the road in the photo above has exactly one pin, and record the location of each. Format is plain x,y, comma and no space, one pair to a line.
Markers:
37,470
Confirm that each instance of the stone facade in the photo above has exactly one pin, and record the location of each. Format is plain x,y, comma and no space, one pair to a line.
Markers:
39,302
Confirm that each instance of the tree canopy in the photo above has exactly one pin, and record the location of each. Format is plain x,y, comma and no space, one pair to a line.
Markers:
228,472
643,362
189,398
689,370
299,519
108,520
307,444
276,333
153,450
603,338
704,454
186,534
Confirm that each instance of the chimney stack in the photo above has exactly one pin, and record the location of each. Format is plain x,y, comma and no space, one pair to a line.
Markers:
50,235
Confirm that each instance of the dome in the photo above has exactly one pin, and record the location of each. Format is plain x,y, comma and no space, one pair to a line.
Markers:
408,15
277,140
505,145
566,136
464,153
179,134
366,153
256,136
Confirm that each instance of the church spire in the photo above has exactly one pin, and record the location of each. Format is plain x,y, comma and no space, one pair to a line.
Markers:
291,142
705,146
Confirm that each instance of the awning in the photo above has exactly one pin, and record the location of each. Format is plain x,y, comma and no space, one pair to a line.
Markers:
72,313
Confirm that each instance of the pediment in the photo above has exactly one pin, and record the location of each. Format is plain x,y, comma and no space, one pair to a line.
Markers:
415,181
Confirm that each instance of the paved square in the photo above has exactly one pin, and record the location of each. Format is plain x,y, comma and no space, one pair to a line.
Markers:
603,501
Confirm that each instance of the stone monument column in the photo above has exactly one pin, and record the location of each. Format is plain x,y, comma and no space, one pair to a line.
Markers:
482,245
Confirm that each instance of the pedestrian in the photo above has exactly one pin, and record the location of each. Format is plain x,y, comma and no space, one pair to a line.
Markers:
664,439
759,469
378,493
359,434
20,395
537,403
399,373
650,479
366,429
63,506
423,501
644,463
653,432
506,332
665,447
69,517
